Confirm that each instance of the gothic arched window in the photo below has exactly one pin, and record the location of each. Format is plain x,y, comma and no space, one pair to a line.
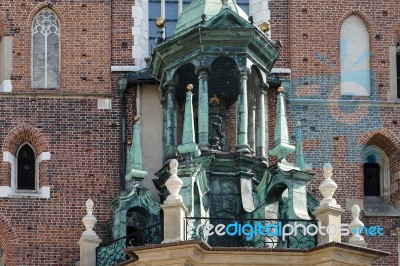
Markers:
45,50
376,172
26,178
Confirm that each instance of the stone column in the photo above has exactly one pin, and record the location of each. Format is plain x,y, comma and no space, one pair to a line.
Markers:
171,123
203,109
252,128
261,140
328,213
242,114
89,240
174,208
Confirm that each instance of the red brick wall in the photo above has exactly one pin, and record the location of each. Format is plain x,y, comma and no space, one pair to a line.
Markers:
84,141
336,131
85,44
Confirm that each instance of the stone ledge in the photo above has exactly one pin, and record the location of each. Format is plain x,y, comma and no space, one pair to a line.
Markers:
199,253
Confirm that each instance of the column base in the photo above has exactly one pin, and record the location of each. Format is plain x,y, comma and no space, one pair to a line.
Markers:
243,148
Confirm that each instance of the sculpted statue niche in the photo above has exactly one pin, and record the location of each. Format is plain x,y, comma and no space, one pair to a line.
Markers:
216,124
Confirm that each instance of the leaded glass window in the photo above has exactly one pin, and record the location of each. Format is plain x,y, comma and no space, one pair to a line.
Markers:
45,50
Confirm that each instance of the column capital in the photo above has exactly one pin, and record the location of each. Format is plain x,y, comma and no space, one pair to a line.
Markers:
264,86
244,71
170,83
203,70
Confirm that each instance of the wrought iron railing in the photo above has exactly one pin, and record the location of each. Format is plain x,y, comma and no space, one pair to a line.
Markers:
113,253
241,232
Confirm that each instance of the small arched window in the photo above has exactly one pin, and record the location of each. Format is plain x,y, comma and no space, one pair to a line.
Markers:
376,172
26,168
45,50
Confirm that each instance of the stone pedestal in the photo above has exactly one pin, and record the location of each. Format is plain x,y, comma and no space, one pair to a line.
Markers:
329,217
174,214
88,244
89,240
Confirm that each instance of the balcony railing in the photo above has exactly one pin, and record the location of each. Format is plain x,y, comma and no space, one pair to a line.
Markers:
113,253
260,233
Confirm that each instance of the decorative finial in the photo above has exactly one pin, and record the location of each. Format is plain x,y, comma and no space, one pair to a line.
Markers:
355,226
89,220
265,26
328,186
136,118
280,90
160,22
174,184
189,87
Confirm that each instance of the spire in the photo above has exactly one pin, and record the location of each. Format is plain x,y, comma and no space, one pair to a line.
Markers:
299,148
281,148
134,165
188,140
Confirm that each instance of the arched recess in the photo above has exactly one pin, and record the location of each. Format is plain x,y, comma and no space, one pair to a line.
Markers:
32,136
137,219
8,241
223,92
374,157
382,138
186,75
355,57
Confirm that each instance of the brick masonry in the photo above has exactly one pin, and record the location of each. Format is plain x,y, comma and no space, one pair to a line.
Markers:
337,128
84,141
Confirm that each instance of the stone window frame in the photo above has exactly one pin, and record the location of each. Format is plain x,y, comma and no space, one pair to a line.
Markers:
5,63
58,32
346,91
393,93
384,169
18,137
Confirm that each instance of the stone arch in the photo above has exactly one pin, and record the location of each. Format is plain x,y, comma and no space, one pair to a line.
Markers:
368,24
382,160
8,239
44,5
382,138
25,133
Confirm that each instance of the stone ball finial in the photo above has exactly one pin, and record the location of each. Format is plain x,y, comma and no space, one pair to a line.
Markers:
328,186
355,226
89,220
189,87
174,184
327,167
355,211
89,206
280,90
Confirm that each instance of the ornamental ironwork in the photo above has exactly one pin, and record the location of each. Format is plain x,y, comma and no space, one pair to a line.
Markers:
258,233
113,253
